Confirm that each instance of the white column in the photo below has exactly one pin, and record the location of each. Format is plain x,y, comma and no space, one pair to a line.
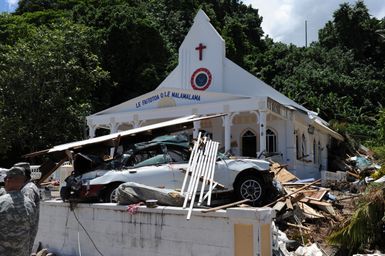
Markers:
197,127
113,129
291,151
91,130
262,130
113,126
227,126
136,124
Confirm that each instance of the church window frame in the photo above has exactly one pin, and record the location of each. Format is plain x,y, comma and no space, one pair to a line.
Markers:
303,146
251,134
271,141
297,147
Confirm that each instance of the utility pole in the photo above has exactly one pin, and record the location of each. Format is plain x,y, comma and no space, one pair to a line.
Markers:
306,33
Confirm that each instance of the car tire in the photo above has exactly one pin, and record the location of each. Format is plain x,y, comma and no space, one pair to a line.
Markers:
109,194
65,193
250,187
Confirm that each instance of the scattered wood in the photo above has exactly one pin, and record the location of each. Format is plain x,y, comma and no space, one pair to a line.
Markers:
226,206
279,206
327,208
281,173
348,197
281,168
296,198
298,226
353,174
298,190
298,183
309,205
310,201
289,204
317,196
309,211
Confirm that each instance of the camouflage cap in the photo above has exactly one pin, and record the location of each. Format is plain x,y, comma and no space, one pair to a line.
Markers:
27,168
25,165
15,172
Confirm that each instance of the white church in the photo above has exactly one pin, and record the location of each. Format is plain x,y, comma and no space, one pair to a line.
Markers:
260,121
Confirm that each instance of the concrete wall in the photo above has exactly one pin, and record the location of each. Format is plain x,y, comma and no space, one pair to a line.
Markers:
157,231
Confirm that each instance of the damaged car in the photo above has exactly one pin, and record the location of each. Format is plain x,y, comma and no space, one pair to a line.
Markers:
162,163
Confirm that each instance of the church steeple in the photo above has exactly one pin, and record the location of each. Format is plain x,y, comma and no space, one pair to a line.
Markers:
201,57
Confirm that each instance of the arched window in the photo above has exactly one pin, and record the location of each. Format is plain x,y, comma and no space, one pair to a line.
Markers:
271,141
303,146
297,147
314,152
249,144
319,151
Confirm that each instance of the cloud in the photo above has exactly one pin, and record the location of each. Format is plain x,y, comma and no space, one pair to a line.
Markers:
284,20
12,4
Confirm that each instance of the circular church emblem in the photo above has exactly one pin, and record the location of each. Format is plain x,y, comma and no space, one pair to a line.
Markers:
201,79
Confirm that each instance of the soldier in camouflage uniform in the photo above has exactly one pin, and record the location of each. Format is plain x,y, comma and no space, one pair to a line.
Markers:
17,215
2,191
31,191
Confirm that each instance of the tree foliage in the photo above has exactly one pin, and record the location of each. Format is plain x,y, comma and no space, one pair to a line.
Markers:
63,59
365,228
47,81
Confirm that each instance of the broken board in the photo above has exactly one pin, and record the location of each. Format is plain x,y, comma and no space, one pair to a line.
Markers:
281,173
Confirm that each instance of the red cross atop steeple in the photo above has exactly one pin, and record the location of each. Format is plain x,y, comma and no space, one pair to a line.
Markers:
200,49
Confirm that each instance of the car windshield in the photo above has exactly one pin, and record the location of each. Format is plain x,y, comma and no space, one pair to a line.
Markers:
160,151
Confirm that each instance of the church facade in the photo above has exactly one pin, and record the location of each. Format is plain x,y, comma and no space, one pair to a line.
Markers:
259,120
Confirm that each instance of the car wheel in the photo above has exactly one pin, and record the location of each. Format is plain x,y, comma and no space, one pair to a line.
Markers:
65,193
110,193
250,187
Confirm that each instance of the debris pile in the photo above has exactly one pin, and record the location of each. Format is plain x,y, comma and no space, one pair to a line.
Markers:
353,172
310,209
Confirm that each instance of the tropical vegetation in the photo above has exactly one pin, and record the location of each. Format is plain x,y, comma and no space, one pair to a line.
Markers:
61,60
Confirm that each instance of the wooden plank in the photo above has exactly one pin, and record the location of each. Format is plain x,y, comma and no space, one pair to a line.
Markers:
307,200
281,173
315,190
353,174
298,190
298,197
37,153
327,208
48,168
298,226
309,211
279,206
318,195
226,206
289,204
297,183
280,168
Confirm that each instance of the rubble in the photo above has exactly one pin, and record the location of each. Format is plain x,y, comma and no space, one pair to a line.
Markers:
310,209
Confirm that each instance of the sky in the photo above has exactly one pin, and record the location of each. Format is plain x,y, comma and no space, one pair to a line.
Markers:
284,20
8,5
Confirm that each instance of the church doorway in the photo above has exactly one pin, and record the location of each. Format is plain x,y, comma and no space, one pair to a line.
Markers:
249,144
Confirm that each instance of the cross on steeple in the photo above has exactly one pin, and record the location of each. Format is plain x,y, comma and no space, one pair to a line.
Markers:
200,49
